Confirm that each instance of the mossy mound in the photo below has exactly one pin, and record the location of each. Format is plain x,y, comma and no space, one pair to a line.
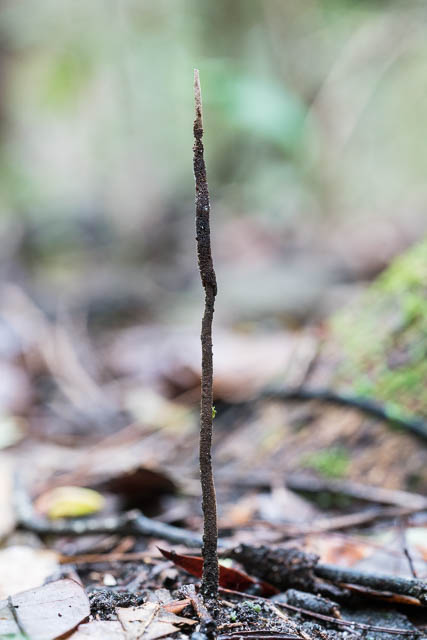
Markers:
382,337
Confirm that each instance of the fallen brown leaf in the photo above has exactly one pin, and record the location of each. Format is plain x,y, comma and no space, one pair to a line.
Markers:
45,613
100,630
228,578
150,621
176,606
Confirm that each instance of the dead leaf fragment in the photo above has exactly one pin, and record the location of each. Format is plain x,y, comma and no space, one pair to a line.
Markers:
176,606
100,630
341,550
23,568
8,626
7,520
12,430
45,613
150,621
416,540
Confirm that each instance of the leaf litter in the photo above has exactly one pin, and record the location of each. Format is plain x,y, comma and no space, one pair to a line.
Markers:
133,456
44,613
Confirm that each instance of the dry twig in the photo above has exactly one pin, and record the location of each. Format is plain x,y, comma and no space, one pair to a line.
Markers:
131,522
413,424
207,623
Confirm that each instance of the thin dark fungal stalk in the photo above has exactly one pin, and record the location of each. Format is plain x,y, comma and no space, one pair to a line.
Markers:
210,576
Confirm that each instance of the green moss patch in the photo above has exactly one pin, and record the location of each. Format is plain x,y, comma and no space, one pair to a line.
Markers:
383,337
332,462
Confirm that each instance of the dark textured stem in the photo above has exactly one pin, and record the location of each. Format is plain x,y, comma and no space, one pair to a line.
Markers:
207,274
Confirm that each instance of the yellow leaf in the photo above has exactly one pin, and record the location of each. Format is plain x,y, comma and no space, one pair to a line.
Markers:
69,502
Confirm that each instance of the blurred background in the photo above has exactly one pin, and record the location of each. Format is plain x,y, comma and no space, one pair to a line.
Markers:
315,118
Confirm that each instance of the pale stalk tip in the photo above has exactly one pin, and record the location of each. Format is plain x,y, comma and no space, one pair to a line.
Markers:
198,98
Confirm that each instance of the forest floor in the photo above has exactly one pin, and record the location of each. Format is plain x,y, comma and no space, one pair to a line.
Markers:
322,508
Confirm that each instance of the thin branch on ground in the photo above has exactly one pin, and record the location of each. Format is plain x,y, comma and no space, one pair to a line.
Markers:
407,501
379,582
334,523
134,522
413,424
379,495
261,633
406,551
281,567
207,623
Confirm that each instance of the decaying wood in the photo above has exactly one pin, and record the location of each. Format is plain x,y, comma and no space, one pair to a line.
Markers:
380,582
290,567
282,568
207,274
312,602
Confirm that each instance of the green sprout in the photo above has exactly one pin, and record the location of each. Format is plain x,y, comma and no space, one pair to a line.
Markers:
332,462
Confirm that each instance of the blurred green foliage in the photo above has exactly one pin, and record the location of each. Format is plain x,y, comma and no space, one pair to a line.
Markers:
70,74
314,108
332,462
383,337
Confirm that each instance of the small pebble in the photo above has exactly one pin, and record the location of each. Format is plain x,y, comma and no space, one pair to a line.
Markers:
109,580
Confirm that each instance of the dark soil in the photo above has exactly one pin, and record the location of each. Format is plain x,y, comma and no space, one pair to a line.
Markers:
103,602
